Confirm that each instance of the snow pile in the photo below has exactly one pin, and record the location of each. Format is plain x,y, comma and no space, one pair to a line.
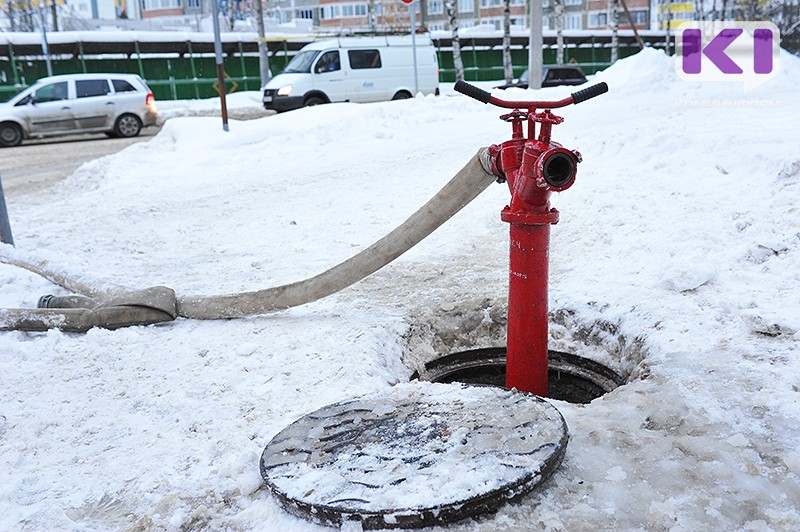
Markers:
245,105
677,261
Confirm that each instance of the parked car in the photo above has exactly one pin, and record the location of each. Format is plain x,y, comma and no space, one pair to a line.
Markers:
552,76
119,105
354,69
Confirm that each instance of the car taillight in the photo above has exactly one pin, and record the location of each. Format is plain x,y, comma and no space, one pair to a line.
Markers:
150,100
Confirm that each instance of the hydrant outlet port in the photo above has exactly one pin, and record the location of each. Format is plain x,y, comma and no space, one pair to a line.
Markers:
558,170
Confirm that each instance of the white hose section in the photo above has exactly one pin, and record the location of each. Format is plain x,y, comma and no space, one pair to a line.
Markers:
465,186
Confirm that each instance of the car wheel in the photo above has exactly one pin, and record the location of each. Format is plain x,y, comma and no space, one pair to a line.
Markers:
402,95
127,126
313,100
10,135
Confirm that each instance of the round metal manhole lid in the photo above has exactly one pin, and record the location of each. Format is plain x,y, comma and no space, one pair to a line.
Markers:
417,454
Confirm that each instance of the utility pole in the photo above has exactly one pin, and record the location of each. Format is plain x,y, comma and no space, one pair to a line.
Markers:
535,43
220,68
45,47
412,15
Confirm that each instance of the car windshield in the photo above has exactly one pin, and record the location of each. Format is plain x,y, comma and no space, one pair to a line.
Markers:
301,62
523,78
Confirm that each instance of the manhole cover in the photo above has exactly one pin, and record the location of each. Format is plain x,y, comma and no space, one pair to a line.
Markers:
415,455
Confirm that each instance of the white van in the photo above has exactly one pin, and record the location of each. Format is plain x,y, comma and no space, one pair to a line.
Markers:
354,69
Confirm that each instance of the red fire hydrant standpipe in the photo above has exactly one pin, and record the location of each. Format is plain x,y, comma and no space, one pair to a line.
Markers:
533,167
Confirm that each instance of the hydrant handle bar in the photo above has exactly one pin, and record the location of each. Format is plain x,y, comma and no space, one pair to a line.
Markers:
482,96
472,91
591,92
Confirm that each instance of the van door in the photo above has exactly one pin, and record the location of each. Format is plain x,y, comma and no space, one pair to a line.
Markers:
48,109
366,78
93,108
329,77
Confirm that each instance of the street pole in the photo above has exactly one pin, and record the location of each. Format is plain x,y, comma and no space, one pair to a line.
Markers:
5,226
220,70
412,13
45,47
535,46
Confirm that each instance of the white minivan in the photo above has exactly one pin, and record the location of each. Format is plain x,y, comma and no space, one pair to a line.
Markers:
354,69
119,105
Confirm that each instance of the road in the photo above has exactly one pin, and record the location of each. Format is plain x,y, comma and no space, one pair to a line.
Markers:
38,164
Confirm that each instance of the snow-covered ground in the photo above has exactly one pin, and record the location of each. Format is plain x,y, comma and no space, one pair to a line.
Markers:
676,261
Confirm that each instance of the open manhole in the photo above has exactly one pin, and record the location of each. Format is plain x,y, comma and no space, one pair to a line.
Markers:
570,378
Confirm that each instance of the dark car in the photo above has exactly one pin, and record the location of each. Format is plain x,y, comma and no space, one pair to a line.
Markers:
552,76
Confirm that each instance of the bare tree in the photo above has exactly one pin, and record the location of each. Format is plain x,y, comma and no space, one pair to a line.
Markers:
613,23
508,69
558,7
263,52
458,64
372,15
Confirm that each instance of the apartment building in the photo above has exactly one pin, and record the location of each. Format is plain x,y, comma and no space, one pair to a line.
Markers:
432,14
170,8
598,14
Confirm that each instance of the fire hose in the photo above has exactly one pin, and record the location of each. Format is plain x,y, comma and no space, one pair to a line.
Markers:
113,308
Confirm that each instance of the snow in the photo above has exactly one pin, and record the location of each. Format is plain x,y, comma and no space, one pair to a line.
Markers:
676,261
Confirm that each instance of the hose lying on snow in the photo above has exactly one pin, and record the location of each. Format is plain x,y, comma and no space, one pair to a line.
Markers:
159,304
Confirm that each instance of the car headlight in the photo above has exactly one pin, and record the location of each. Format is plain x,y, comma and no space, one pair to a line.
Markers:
286,90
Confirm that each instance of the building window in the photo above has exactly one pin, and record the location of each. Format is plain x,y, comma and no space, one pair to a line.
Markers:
492,22
149,5
639,17
572,22
573,2
490,3
193,4
436,27
434,7
598,19
466,6
331,11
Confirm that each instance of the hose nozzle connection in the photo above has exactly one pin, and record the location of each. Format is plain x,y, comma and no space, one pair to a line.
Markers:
557,167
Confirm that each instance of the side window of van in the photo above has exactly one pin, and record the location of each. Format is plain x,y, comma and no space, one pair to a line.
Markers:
364,59
49,93
328,62
86,88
